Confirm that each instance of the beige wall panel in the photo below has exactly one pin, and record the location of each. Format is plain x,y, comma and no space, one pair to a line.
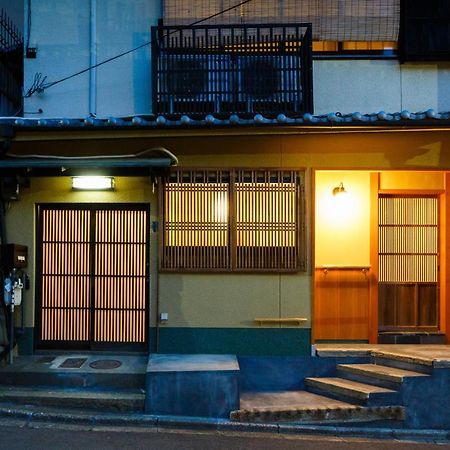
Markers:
296,296
411,180
218,300
372,150
21,225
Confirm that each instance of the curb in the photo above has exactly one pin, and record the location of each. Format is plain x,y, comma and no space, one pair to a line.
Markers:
212,424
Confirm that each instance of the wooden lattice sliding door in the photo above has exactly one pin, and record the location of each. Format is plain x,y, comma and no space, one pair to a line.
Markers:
408,239
93,276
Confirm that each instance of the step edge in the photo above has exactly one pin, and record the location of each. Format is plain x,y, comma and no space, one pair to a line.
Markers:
404,358
397,378
349,389
394,412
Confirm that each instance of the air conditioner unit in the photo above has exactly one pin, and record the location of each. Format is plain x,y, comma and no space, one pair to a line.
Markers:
270,84
194,84
222,83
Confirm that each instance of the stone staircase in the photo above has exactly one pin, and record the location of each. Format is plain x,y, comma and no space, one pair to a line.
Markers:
358,393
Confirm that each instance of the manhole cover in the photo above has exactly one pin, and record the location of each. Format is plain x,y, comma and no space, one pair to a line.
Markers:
73,363
105,364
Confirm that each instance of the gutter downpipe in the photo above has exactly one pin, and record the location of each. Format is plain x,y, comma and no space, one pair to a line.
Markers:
93,60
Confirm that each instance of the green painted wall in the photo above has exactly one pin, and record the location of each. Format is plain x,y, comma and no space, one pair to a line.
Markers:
240,341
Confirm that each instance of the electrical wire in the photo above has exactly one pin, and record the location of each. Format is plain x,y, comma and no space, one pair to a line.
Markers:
81,158
40,86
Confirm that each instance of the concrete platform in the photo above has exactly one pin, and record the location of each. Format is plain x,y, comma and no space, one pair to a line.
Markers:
192,385
437,356
77,370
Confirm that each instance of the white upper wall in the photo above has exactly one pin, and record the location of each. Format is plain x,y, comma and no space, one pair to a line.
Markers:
380,85
61,32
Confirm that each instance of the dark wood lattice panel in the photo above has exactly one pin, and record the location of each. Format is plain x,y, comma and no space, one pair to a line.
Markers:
66,278
94,275
408,263
240,220
120,276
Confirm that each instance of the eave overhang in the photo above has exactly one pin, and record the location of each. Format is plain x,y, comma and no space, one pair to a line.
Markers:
92,166
28,129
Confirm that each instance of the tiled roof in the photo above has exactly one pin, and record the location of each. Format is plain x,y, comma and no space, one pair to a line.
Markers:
381,118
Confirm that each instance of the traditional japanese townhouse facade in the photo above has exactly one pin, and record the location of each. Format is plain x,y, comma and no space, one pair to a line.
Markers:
281,175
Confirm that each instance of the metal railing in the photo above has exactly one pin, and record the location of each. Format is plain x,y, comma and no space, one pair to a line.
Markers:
11,67
233,69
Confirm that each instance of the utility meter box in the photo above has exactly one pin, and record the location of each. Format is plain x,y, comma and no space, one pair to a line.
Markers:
14,256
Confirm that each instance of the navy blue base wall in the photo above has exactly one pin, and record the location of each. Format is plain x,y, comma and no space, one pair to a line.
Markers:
287,373
238,341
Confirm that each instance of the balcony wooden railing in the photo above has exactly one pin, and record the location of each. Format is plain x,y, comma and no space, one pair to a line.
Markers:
235,69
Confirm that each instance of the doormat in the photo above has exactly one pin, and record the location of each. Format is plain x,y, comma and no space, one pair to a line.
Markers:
105,364
45,360
72,363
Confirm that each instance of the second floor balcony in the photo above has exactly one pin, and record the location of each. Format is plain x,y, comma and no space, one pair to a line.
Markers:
237,69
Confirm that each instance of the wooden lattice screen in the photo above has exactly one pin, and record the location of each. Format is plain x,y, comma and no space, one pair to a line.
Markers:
408,239
242,220
93,275
332,20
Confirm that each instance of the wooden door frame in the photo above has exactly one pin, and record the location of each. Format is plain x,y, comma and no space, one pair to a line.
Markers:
91,344
443,197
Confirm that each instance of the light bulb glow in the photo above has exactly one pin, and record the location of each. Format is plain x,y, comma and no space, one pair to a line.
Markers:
90,183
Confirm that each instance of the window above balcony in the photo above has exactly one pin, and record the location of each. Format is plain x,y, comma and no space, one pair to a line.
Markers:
232,69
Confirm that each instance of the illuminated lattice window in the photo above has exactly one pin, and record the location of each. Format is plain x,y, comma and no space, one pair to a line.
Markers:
240,220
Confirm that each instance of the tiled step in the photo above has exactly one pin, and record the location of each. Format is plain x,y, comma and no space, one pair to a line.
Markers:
352,391
306,407
375,374
103,400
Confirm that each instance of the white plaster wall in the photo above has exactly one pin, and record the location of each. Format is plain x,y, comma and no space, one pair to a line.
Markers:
380,85
61,32
352,85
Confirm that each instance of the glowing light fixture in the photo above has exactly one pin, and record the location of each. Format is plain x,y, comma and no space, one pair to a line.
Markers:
339,189
93,183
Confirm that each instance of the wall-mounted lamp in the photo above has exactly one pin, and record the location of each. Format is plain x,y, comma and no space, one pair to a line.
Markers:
93,183
339,189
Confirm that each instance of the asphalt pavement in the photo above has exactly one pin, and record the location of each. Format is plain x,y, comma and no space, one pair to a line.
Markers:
22,436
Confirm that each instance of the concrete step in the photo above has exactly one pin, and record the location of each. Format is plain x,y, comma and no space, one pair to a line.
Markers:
375,374
89,399
403,361
352,391
306,407
76,371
